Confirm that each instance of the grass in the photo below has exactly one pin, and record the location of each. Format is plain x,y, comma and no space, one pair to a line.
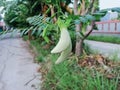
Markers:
109,39
69,75
72,77
41,52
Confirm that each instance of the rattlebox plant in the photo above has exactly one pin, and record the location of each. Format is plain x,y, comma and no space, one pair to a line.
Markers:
64,45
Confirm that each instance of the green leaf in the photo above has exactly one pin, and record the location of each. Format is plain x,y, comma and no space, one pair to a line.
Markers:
64,22
95,27
34,30
44,31
116,10
83,19
48,11
89,17
46,39
23,31
77,21
13,19
79,35
34,5
98,16
39,31
74,17
31,28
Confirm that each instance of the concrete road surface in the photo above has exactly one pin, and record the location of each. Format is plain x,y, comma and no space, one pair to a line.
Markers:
17,70
106,49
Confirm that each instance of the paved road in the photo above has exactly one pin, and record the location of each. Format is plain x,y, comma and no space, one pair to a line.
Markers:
107,49
17,70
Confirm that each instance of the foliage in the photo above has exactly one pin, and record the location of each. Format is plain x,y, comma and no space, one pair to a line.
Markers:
16,17
16,12
41,27
116,9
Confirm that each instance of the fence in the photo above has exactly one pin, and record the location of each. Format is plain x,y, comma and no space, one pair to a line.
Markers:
108,27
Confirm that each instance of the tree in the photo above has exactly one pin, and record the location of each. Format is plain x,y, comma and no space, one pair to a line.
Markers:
16,17
16,12
42,16
83,8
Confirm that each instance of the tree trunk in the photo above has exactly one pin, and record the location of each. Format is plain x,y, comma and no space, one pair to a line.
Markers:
79,42
79,47
29,35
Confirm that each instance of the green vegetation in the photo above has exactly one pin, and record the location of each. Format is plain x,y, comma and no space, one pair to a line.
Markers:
17,11
71,75
40,49
110,39
38,19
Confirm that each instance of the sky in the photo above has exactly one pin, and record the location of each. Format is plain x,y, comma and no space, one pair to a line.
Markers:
109,4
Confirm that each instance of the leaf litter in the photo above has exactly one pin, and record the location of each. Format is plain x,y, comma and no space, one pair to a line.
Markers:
109,68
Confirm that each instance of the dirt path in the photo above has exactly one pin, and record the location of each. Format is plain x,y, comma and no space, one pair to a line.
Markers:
107,49
17,70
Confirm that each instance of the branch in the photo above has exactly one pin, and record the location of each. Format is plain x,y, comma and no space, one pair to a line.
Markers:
90,6
52,13
89,31
75,7
82,8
